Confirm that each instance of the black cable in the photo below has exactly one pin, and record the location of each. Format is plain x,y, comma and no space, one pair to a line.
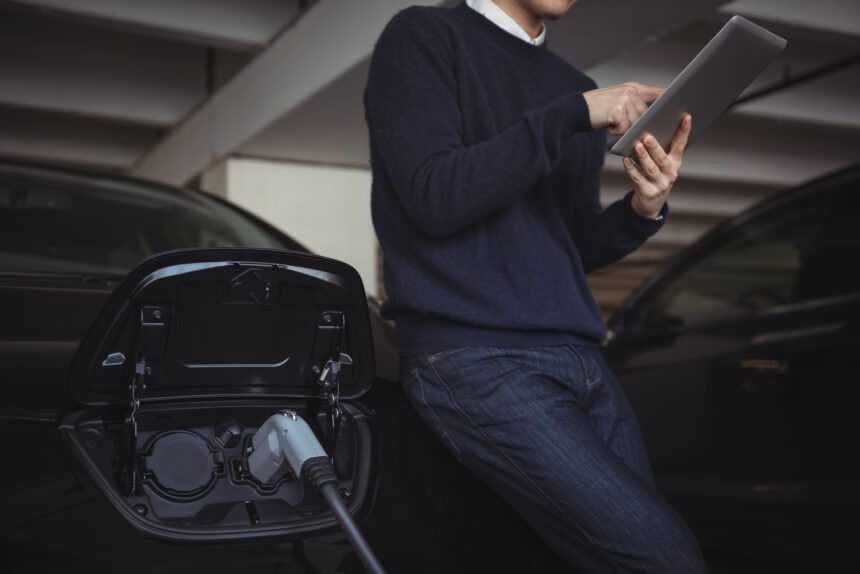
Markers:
364,552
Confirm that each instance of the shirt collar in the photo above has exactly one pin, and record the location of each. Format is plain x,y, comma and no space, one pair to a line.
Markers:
500,18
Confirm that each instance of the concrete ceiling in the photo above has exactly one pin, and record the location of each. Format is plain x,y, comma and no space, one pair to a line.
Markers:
100,82
166,88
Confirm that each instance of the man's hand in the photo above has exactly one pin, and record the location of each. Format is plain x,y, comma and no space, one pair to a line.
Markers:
617,107
657,170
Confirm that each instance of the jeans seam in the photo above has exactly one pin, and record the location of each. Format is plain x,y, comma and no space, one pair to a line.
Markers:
442,354
520,470
445,434
597,377
589,383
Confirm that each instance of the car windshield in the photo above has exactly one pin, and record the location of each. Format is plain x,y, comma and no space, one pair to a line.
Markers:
97,225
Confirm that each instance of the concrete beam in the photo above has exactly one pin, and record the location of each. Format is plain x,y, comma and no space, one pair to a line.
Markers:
830,16
328,128
226,23
766,152
828,101
338,34
104,74
60,139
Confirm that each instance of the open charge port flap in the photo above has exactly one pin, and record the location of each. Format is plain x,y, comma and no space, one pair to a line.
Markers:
191,461
192,482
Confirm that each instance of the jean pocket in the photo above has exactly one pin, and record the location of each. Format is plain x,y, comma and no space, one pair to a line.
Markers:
454,366
432,359
592,373
595,374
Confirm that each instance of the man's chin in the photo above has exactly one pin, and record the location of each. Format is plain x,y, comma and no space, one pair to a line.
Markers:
554,13
552,17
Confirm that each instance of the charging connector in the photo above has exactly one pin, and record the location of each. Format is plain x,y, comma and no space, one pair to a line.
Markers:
286,441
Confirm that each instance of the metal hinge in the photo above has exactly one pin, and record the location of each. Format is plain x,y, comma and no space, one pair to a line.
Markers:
126,468
134,397
329,381
150,344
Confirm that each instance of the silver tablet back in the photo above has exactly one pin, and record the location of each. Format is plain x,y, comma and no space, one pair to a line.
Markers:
730,62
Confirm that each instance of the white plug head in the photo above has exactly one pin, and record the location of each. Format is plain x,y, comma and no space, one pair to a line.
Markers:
284,441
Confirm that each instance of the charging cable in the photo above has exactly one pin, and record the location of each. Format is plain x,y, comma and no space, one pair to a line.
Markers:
286,441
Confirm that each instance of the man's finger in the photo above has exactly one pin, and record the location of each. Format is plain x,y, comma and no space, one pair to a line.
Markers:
632,115
679,142
640,105
658,154
633,171
646,165
622,124
648,93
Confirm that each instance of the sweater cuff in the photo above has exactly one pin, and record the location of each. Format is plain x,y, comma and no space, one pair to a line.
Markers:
580,117
570,113
644,225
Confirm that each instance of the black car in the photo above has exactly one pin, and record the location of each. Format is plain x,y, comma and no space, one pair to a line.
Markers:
146,333
738,357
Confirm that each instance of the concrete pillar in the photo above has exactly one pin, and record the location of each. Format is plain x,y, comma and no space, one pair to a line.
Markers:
326,208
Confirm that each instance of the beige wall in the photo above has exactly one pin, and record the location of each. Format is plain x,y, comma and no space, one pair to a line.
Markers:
325,208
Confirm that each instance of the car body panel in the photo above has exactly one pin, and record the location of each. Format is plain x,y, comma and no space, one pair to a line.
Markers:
749,418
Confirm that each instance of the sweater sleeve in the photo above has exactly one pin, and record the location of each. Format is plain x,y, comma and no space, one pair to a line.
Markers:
602,236
413,113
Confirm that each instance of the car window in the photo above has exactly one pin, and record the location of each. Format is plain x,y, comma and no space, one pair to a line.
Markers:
754,266
91,225
832,267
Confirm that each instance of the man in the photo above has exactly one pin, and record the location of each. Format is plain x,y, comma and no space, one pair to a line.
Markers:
486,151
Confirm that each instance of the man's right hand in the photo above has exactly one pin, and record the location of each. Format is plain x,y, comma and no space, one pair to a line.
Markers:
617,107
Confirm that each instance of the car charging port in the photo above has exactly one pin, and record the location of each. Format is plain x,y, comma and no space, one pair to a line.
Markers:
180,464
286,442
240,473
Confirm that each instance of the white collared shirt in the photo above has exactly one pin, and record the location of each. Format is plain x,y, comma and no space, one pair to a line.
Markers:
500,18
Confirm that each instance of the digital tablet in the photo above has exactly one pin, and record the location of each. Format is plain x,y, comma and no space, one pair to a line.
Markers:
729,63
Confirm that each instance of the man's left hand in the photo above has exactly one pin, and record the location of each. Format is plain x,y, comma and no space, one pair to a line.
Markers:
657,170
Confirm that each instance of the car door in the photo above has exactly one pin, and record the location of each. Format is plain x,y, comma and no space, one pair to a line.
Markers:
822,393
716,359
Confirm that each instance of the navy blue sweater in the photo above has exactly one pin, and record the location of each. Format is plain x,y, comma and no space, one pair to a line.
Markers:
485,191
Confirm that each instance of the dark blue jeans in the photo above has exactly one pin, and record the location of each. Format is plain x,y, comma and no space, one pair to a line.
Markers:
550,430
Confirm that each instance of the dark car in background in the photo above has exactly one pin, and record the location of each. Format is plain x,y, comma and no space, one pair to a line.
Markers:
146,333
740,359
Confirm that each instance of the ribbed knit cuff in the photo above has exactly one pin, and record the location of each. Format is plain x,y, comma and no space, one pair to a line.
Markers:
580,117
644,225
570,114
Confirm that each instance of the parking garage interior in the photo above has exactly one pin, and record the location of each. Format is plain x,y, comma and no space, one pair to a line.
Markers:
259,103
